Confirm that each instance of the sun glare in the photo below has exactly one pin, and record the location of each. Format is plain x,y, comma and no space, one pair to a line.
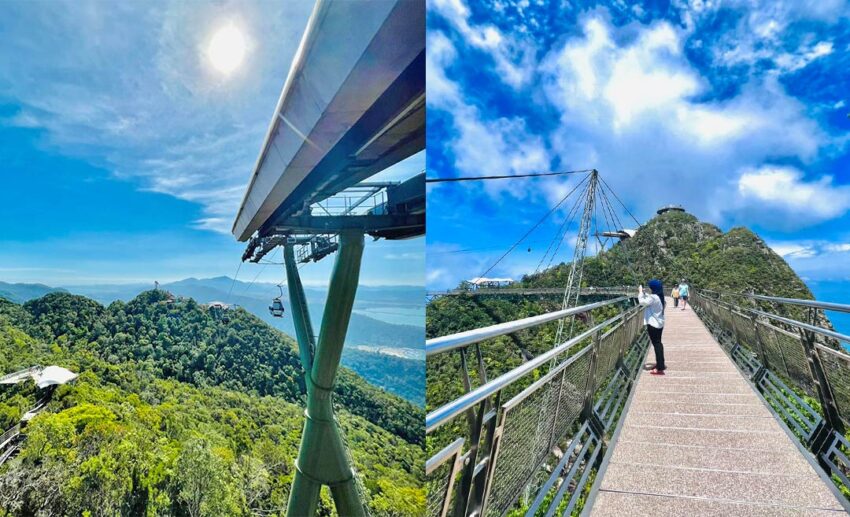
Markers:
226,49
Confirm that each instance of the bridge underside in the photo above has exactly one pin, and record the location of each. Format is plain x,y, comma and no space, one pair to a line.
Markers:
701,441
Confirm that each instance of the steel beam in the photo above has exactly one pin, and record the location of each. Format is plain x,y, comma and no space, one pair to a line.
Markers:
333,224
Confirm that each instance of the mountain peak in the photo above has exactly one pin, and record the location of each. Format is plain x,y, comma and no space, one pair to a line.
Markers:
675,245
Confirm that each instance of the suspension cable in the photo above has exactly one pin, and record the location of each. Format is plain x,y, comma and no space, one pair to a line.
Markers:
621,203
626,247
562,230
504,177
573,215
538,223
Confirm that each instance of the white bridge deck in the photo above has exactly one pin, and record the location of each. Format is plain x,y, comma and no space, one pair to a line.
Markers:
700,441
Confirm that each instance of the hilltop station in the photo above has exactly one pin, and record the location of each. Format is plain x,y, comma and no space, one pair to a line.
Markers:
346,113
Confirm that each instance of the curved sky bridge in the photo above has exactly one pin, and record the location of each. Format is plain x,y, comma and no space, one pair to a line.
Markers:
45,378
730,430
530,291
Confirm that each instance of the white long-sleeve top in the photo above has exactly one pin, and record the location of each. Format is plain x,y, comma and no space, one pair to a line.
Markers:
653,314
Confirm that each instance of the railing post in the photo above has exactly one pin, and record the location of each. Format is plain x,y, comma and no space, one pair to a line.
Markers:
832,418
474,481
765,364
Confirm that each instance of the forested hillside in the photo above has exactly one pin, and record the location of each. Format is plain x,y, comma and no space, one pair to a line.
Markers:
406,377
177,412
186,342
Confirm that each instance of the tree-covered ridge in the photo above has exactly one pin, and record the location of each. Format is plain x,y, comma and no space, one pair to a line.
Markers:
184,341
121,441
676,245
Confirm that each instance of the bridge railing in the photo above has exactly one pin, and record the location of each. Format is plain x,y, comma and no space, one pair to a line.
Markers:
802,368
533,291
500,434
9,435
21,375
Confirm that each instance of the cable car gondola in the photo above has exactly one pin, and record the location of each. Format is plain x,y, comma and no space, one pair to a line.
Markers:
276,308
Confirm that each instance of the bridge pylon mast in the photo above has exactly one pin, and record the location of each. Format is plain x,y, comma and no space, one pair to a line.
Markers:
573,288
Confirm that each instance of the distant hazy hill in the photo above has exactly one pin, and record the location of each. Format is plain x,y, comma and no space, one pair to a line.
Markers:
19,293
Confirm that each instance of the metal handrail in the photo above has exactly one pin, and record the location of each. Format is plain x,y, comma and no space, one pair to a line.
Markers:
815,304
789,321
447,412
10,434
451,342
20,375
807,326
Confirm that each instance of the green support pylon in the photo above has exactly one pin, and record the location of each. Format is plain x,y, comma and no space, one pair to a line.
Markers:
322,458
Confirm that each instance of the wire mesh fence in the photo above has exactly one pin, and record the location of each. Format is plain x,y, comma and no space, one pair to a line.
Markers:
440,471
532,431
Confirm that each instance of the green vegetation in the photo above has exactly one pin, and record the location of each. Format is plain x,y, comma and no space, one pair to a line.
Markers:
179,413
186,342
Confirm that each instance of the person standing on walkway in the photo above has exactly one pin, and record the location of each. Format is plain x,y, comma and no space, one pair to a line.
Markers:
653,318
675,295
683,293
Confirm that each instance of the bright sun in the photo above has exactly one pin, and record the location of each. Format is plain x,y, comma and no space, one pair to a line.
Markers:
226,49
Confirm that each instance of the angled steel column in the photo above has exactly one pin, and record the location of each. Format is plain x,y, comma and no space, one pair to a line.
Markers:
323,458
300,312
832,418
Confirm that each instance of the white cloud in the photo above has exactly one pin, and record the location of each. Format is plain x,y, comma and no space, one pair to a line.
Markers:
513,58
816,259
763,29
632,107
785,189
481,146
843,247
793,249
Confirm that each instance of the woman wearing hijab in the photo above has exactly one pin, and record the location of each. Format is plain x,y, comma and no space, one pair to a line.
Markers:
653,318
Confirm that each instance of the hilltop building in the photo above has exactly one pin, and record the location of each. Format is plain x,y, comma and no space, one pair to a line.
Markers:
670,208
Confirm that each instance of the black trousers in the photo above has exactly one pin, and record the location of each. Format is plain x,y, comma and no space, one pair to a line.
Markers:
655,338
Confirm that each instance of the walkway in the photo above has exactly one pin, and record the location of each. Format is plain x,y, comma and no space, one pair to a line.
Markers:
699,441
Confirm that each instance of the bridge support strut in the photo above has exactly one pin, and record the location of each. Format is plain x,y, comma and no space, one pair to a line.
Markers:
323,458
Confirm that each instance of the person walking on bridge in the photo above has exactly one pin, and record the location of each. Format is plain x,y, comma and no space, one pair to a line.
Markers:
683,293
653,318
675,295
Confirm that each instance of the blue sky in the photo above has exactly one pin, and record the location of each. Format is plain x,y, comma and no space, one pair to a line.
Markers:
736,110
125,153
